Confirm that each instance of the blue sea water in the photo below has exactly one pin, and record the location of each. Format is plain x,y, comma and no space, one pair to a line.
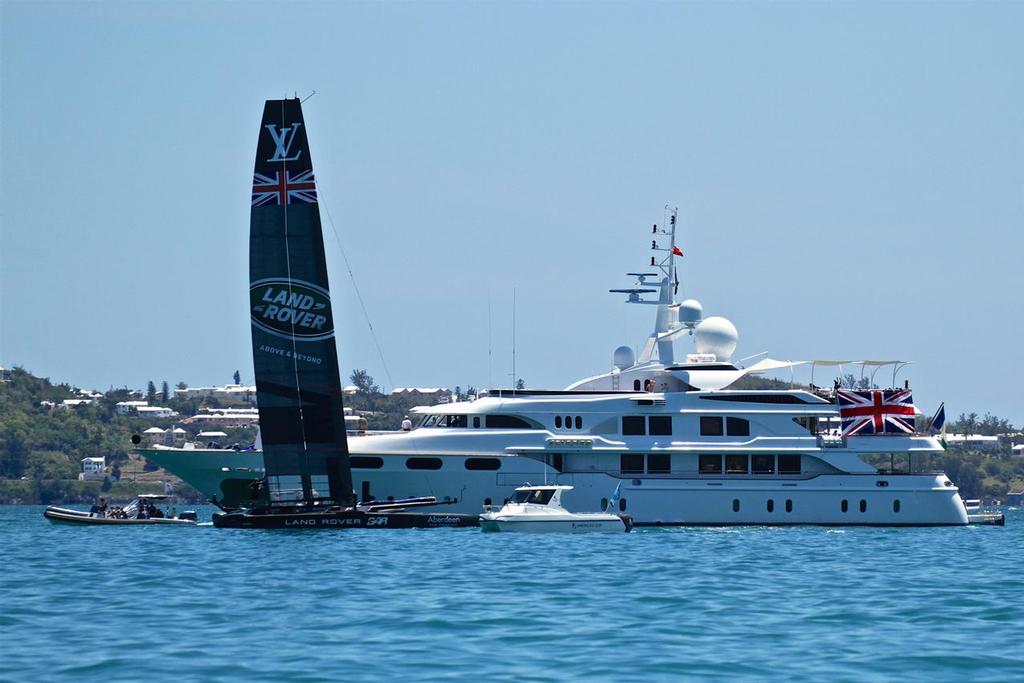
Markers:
205,604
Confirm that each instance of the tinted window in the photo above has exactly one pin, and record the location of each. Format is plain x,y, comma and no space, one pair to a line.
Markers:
762,464
710,426
476,423
631,463
636,385
771,505
659,463
366,462
735,504
506,422
558,421
579,422
660,425
483,464
633,425
863,506
845,505
622,504
896,505
458,420
423,463
568,422
789,506
710,464
737,426
736,463
789,464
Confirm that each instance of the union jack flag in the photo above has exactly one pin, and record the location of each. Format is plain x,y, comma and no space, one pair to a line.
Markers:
283,188
876,412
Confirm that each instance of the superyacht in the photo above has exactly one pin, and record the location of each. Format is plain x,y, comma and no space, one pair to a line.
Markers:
679,439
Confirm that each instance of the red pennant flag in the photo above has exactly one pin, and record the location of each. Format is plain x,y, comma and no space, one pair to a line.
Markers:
676,252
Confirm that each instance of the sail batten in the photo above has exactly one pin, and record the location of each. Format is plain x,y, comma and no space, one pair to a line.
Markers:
294,355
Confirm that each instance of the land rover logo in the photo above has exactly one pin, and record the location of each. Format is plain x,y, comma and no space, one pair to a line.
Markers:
291,309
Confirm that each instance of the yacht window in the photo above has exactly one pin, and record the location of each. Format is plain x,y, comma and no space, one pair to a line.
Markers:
456,421
710,464
476,423
540,497
631,463
659,463
568,422
789,505
558,421
896,505
735,504
506,422
636,385
844,506
789,464
622,504
556,461
365,462
579,422
736,463
710,426
483,464
737,426
762,464
808,423
429,421
771,505
423,463
604,504
863,506
660,425
633,425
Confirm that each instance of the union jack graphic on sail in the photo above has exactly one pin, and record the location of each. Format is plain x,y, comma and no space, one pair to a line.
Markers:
876,412
283,188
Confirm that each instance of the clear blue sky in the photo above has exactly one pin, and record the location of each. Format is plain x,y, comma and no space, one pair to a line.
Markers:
849,178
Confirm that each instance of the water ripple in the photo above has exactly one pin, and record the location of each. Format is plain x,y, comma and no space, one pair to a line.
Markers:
128,603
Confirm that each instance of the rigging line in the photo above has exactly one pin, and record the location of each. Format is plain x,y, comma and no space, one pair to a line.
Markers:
362,304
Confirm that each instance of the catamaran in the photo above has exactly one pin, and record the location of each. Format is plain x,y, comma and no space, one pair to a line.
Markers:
682,440
307,476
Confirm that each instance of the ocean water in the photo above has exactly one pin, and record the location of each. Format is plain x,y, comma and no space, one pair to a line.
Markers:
204,604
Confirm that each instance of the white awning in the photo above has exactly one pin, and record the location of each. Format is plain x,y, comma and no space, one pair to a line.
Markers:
154,430
211,434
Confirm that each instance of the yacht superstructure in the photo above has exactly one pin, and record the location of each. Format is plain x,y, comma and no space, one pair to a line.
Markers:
683,445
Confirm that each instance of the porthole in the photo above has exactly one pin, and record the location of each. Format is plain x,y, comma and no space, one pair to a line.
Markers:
636,385
845,505
789,505
863,506
622,504
735,504
482,464
423,463
558,421
604,504
579,422
568,422
366,462
896,505
771,505
487,502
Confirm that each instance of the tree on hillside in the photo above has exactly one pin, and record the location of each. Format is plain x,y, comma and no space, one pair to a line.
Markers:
165,392
151,392
238,377
364,383
181,385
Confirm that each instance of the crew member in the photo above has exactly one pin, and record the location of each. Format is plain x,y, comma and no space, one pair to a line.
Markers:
406,424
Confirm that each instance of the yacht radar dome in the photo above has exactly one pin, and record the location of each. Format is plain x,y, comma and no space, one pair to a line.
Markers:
690,313
623,357
716,335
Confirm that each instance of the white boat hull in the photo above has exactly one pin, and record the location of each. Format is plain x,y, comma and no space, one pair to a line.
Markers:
579,524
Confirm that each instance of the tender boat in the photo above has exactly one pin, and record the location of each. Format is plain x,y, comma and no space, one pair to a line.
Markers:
141,510
538,509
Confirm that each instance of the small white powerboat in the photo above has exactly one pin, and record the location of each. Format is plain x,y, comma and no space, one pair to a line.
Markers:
538,509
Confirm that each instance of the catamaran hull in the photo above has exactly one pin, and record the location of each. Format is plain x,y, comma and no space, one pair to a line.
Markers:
342,519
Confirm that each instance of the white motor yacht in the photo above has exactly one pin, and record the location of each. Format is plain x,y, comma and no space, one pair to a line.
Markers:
538,509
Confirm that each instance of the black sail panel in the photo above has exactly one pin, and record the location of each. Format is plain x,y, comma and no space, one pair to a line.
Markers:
297,381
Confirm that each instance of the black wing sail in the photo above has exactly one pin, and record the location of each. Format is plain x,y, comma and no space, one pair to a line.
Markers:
296,362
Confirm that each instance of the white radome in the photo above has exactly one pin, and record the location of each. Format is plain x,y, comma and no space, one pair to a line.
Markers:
690,312
623,357
716,335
